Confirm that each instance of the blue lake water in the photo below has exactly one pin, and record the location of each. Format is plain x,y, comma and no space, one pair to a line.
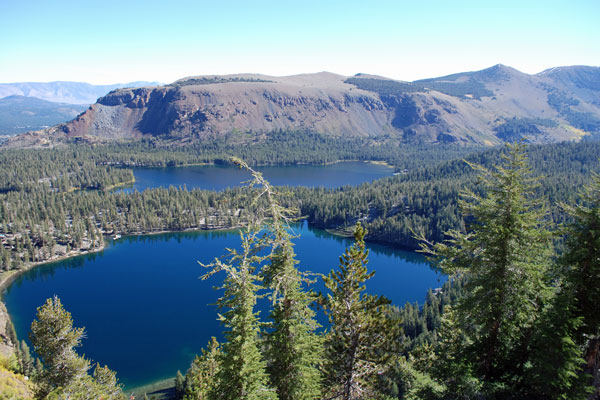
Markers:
215,177
146,312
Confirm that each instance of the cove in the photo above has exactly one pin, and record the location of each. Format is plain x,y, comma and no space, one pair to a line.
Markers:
147,314
219,177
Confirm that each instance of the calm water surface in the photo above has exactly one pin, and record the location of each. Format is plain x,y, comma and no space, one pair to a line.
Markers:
146,312
214,177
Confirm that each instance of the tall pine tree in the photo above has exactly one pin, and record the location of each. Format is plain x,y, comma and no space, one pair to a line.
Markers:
572,322
294,350
581,260
242,369
504,254
364,338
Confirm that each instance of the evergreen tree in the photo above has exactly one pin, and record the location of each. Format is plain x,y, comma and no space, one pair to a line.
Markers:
54,340
25,359
242,369
581,260
106,384
179,385
65,373
39,367
200,380
505,256
557,360
364,339
448,366
559,368
294,349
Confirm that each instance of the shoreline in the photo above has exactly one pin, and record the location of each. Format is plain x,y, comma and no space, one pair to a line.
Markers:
118,185
375,162
162,389
7,278
7,347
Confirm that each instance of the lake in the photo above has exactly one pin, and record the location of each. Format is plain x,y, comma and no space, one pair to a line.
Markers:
146,312
219,177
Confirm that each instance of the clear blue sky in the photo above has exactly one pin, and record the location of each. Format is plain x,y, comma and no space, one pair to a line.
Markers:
158,40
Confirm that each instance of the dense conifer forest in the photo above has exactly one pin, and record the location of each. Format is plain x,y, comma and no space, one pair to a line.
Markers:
515,228
55,201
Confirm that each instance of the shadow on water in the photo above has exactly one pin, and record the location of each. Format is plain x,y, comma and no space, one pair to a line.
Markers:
178,236
374,248
48,270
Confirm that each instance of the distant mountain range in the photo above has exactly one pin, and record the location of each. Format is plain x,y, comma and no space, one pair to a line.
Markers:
20,114
64,92
487,107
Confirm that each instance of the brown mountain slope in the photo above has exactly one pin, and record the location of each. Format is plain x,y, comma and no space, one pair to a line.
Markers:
487,107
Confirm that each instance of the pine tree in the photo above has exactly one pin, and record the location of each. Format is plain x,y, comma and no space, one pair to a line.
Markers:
581,260
294,349
54,340
242,369
26,361
449,368
200,380
39,367
504,255
364,338
65,373
179,385
557,360
572,318
106,384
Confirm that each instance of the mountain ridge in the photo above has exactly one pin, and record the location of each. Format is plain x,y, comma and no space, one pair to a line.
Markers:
64,91
21,114
485,107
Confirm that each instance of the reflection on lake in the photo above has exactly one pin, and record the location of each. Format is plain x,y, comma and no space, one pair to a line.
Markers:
146,312
219,177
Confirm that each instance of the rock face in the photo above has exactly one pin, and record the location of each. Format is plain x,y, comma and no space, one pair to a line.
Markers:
486,107
321,102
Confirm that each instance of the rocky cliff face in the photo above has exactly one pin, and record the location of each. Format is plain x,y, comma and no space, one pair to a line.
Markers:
486,107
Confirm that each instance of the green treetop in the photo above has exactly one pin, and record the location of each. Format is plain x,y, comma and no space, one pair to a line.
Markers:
504,254
363,338
242,369
65,374
294,349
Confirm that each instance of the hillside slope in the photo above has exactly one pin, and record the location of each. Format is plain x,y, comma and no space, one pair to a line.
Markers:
482,107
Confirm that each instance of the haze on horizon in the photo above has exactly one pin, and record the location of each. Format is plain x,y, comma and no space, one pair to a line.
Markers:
114,41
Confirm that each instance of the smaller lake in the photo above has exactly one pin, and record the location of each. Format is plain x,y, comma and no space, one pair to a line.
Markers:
146,312
220,177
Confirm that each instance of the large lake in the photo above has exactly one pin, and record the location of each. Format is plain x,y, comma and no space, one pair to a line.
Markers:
215,177
146,312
